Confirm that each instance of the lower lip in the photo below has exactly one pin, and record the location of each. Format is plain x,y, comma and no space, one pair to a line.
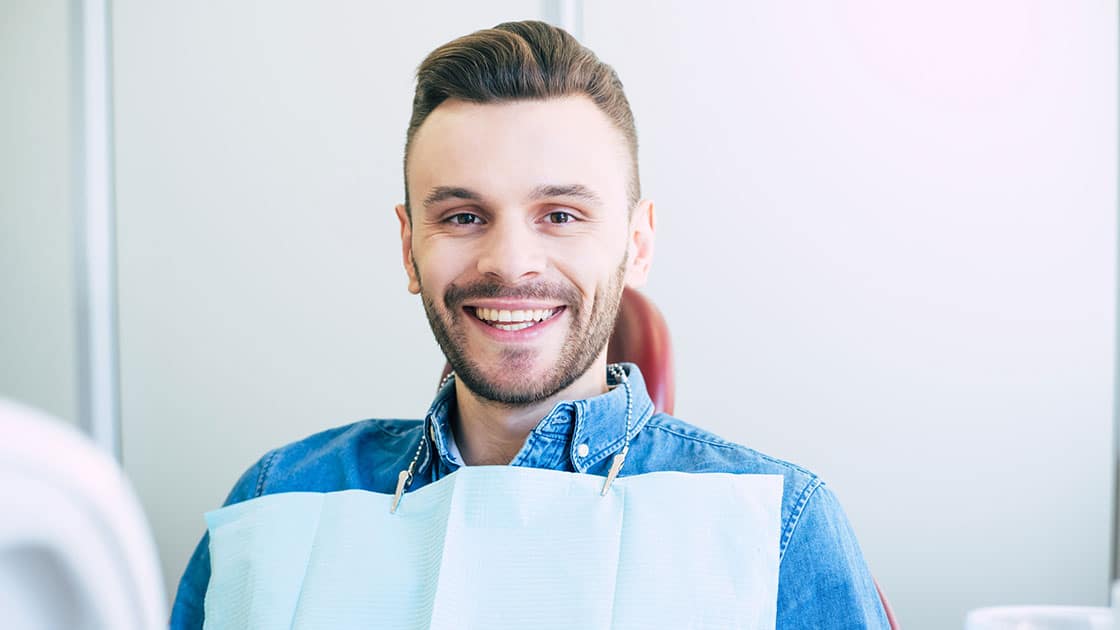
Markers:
512,336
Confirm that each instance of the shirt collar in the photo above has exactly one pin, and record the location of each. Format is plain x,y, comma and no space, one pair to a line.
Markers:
594,428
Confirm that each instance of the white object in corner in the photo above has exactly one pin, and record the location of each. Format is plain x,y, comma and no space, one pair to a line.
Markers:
1040,618
75,549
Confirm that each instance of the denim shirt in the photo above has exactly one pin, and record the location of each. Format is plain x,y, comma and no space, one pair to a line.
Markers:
823,579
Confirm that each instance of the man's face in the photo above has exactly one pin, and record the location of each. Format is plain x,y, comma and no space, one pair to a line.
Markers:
520,240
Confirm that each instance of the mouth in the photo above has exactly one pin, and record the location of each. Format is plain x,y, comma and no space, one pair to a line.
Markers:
513,320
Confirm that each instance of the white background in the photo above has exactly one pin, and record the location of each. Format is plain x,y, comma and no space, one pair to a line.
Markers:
886,250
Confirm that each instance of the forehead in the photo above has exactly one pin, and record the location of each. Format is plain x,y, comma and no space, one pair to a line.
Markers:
507,149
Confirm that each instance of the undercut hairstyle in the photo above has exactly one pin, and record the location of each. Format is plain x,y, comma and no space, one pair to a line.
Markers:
516,61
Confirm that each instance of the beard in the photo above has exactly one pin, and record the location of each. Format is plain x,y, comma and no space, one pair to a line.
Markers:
587,336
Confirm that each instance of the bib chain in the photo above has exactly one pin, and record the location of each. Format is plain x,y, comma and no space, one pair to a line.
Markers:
404,478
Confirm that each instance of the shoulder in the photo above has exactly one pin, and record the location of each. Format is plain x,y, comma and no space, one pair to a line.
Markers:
693,449
361,455
673,444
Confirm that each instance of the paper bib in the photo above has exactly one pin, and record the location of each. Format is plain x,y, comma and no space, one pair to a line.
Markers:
495,547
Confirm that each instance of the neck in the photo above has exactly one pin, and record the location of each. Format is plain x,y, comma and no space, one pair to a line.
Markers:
490,433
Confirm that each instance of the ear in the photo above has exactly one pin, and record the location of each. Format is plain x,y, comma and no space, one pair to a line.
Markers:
406,249
642,229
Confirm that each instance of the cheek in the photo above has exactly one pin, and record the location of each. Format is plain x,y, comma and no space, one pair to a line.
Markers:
594,273
439,267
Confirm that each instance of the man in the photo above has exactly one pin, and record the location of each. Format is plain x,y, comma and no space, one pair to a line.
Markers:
521,226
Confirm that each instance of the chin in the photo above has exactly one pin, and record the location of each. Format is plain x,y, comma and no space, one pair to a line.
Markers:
519,381
513,385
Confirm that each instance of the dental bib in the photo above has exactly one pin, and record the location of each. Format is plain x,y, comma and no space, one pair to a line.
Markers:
499,547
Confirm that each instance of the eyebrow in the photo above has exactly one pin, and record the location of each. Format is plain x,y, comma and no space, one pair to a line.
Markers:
578,191
443,193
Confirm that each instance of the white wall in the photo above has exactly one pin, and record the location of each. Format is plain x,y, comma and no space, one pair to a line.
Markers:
37,325
897,226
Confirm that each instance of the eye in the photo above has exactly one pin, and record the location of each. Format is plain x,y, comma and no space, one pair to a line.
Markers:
464,218
560,217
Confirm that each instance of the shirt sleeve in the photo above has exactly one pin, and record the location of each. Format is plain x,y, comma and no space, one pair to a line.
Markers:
824,581
187,613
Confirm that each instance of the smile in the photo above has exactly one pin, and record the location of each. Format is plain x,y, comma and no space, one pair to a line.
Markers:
514,320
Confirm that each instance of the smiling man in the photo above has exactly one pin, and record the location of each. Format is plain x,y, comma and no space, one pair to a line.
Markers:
522,224
520,248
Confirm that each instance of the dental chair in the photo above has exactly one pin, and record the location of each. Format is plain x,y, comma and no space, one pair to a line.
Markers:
75,549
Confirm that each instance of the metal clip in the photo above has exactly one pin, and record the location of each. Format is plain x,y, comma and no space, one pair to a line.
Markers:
403,481
616,465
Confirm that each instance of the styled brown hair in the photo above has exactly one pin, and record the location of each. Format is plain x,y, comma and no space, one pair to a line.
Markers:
520,61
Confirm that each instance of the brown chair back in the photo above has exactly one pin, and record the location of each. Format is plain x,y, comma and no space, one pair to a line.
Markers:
641,337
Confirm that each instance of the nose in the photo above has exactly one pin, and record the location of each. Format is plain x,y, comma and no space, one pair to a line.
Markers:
511,252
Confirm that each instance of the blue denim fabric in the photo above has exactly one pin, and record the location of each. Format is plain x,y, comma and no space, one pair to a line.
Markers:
823,583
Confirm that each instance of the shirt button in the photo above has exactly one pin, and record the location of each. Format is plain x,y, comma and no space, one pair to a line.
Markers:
582,450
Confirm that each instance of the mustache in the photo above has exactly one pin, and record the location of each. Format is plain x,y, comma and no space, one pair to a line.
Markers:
456,295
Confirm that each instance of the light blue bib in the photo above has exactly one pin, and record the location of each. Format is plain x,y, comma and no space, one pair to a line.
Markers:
496,547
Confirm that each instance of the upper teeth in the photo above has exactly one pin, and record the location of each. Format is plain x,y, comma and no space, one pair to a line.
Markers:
500,315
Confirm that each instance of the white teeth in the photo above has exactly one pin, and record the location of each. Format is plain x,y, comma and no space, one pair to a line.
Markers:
518,319
511,327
